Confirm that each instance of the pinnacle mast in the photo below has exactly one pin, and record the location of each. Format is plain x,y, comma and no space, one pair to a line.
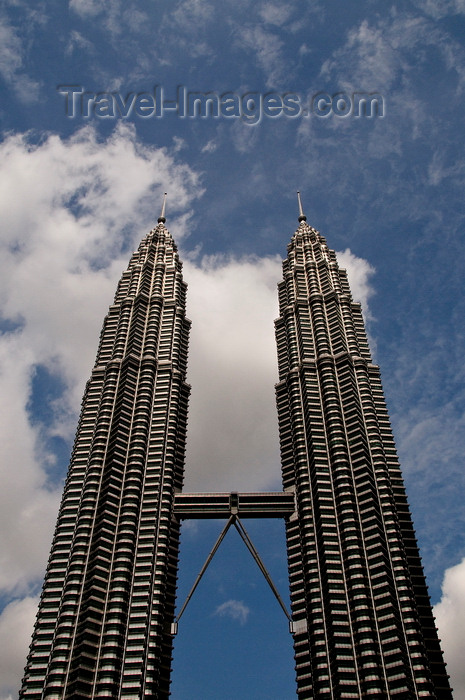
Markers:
302,216
161,218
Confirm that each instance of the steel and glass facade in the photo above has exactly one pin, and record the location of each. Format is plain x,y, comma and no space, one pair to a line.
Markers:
361,617
363,621
103,627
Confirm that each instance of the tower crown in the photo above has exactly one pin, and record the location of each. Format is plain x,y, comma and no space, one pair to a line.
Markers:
356,584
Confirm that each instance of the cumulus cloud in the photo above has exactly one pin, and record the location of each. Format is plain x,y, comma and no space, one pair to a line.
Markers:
234,609
359,272
64,242
16,623
450,619
61,254
28,504
232,437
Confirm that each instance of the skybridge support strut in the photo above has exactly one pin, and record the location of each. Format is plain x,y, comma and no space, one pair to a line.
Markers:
219,505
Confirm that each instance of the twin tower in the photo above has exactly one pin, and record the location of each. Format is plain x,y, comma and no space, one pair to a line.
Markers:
361,618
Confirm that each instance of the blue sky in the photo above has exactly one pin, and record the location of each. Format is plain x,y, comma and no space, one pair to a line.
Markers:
78,192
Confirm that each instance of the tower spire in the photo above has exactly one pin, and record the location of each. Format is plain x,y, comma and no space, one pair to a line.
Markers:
161,218
302,216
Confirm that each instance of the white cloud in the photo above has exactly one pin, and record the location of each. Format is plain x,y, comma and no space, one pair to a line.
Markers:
377,56
60,253
117,17
10,51
189,22
440,8
67,209
28,507
359,272
11,64
244,135
369,58
178,144
16,623
267,48
232,430
235,609
63,244
210,146
192,15
87,8
438,170
450,619
429,434
275,13
78,42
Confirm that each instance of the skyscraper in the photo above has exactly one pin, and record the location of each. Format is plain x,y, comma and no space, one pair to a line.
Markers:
361,617
108,599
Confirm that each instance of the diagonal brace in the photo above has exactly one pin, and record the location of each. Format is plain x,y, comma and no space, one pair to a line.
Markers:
233,520
205,566
248,543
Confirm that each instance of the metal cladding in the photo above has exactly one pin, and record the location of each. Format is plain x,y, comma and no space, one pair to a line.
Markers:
108,599
363,624
361,617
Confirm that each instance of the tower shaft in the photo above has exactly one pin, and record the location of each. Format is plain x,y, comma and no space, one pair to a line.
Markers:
108,599
363,620
361,616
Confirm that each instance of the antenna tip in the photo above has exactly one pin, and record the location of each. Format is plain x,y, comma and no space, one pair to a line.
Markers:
302,216
161,218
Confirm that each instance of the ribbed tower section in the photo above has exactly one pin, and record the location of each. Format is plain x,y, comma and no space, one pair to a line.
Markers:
102,629
363,624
